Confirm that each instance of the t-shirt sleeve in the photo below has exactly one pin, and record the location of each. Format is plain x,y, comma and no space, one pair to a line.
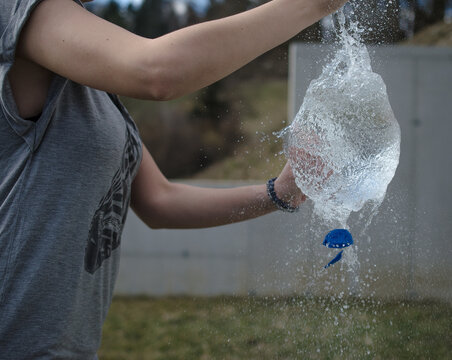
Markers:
32,132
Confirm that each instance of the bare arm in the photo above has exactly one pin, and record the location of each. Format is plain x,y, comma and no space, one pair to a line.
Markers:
68,40
161,204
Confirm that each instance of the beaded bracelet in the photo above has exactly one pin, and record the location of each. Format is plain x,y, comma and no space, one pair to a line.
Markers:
281,205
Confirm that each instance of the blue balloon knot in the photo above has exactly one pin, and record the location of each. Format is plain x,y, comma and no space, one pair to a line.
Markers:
337,239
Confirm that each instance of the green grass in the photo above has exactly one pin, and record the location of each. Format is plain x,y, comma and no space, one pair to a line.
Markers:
280,328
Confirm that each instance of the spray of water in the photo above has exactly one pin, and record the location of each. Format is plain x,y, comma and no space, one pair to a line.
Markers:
343,146
344,142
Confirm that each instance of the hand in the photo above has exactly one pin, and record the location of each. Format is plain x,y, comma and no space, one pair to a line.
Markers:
287,190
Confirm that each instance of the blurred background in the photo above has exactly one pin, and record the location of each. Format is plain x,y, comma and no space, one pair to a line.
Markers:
253,290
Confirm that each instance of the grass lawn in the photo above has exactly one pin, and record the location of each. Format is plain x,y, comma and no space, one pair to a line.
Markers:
281,328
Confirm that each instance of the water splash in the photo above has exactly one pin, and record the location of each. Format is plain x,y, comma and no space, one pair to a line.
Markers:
344,147
344,143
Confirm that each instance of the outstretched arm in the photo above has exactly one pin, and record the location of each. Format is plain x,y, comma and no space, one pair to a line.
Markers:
66,39
162,204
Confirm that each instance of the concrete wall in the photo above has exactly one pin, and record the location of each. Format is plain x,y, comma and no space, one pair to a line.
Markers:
406,252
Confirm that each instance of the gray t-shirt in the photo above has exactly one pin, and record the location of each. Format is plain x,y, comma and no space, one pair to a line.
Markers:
64,193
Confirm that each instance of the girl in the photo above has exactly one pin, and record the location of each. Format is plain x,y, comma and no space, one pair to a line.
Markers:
71,159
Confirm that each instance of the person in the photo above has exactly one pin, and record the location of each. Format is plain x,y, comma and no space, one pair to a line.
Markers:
71,159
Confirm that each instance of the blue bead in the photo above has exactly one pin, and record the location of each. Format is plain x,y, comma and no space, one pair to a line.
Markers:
338,238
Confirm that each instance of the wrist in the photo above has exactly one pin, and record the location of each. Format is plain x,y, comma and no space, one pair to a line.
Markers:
279,202
283,189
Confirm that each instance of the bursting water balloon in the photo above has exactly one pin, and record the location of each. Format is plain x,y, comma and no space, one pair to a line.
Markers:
344,143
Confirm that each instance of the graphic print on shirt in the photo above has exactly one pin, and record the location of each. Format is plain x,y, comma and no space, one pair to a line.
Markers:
108,221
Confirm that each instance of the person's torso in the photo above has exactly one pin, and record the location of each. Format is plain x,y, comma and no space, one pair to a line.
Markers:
64,192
